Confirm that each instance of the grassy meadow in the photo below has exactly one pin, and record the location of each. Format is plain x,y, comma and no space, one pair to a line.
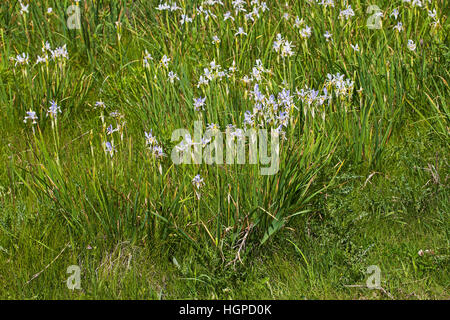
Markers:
91,92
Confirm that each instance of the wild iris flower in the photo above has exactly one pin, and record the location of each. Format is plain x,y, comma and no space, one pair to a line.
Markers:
23,8
240,32
198,181
111,130
53,109
398,27
411,45
31,115
150,139
21,59
172,76
110,148
199,103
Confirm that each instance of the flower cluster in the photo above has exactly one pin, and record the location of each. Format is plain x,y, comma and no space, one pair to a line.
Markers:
153,145
414,3
433,15
270,111
147,58
59,53
204,10
411,45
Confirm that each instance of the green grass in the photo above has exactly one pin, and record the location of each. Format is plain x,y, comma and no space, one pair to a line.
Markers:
363,180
